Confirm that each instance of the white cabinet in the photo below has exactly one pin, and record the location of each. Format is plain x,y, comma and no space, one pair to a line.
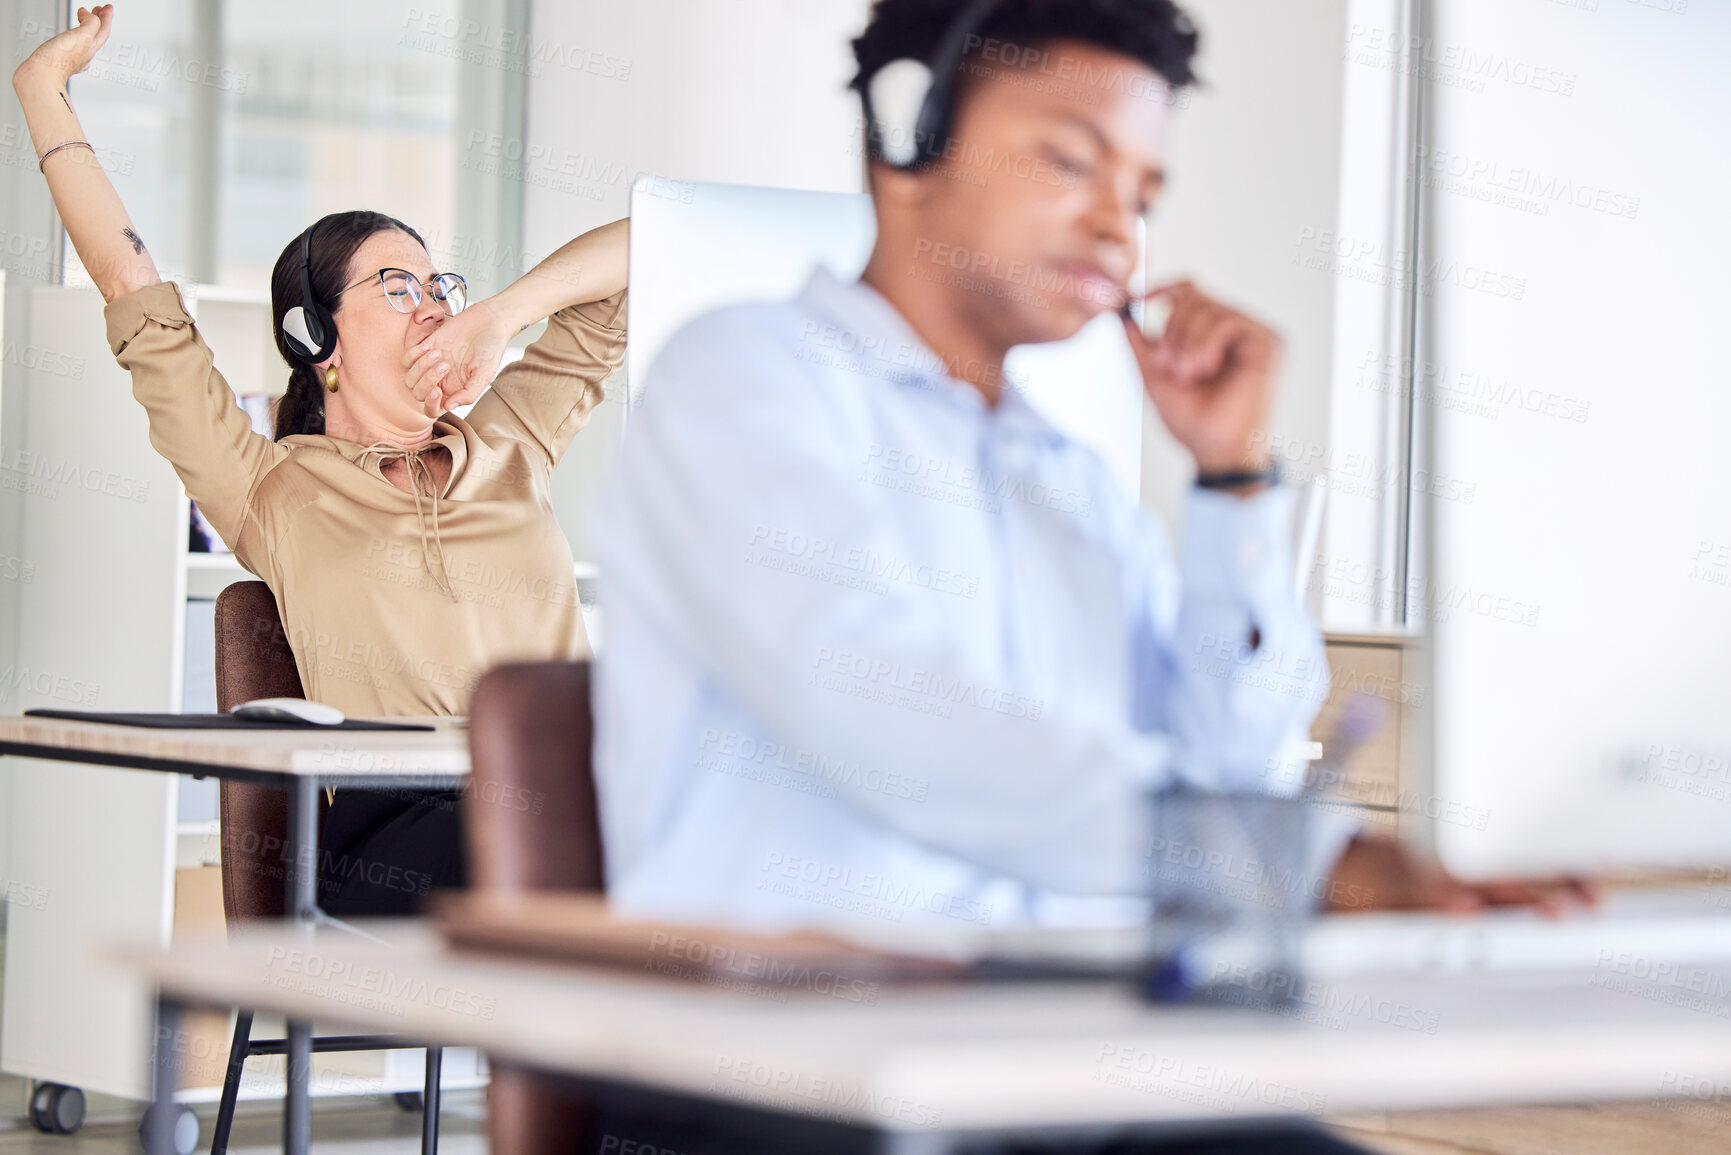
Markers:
100,626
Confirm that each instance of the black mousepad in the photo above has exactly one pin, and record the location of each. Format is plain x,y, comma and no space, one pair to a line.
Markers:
214,721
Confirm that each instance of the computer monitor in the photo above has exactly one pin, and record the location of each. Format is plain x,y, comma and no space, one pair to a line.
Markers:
1576,583
697,246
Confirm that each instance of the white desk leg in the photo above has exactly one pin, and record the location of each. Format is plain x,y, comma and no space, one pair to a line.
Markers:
303,909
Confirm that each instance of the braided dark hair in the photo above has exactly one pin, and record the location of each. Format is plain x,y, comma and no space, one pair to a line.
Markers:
302,408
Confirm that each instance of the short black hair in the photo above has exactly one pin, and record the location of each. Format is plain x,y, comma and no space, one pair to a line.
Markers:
1157,33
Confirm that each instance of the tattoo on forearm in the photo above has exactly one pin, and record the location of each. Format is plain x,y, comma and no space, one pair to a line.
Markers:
137,245
67,102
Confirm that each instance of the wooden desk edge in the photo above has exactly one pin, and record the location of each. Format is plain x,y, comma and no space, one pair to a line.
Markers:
426,759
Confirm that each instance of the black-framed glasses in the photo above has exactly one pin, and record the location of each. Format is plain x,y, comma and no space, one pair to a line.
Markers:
403,290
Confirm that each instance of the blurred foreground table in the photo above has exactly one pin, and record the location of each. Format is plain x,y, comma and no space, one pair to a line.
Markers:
842,1064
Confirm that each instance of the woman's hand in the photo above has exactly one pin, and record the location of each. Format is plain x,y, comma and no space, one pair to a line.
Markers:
453,366
66,55
460,359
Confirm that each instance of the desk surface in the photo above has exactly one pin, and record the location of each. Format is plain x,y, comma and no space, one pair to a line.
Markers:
991,1056
336,757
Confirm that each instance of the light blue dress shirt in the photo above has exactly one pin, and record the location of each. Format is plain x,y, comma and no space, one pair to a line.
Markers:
877,650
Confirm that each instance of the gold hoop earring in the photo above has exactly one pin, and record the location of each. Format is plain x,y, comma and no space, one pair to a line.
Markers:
331,378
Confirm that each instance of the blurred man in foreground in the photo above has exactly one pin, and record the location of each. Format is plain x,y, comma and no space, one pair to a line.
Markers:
883,646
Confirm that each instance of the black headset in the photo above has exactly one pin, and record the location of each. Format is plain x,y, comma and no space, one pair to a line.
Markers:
308,328
911,104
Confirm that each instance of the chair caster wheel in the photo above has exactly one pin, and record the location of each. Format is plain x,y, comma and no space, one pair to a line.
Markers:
185,1128
57,1109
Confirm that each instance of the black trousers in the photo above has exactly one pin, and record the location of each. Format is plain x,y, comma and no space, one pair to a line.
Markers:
617,1131
1274,1141
382,852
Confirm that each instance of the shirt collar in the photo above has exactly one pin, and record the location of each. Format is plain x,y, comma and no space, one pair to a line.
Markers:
872,329
449,430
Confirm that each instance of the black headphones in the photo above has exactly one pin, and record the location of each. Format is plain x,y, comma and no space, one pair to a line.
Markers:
911,104
308,328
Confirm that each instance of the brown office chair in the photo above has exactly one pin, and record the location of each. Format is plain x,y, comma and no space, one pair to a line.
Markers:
253,660
532,823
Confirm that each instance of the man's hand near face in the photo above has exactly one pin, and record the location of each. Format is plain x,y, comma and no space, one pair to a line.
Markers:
1383,875
1211,377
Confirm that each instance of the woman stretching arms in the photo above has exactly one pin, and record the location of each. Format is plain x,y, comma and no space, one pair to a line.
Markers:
409,549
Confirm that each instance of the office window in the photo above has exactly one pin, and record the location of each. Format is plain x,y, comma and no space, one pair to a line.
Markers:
336,114
228,127
137,110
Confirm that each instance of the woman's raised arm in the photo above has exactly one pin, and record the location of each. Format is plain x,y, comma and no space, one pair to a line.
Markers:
95,220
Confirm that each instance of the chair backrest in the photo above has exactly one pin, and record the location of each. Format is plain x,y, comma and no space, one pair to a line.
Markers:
530,814
531,822
253,660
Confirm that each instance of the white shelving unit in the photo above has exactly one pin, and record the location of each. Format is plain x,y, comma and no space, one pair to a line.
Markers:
102,625
208,574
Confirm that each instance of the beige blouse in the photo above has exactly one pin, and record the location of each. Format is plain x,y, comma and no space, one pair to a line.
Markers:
394,602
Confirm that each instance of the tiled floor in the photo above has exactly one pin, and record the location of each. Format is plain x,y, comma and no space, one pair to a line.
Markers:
376,1126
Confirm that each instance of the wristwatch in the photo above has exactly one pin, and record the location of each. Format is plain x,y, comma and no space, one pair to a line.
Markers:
1239,478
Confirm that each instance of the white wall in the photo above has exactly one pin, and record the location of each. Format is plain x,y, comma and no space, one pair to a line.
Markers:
1254,162
753,92
740,91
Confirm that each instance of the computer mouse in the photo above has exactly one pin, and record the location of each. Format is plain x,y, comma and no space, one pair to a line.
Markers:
288,710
